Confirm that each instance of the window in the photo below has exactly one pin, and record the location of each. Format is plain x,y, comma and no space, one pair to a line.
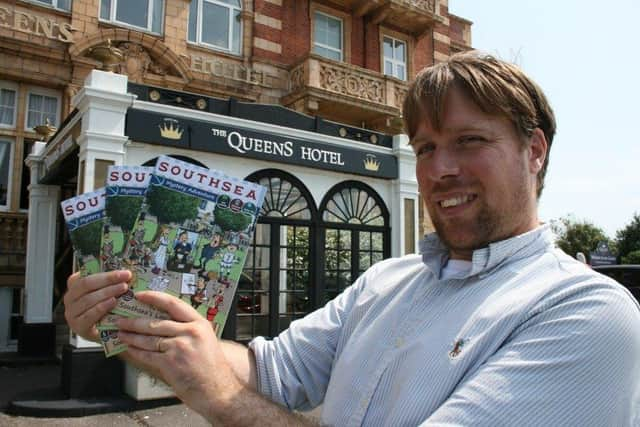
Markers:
40,107
395,58
327,36
144,14
276,286
356,234
6,152
216,23
8,99
58,4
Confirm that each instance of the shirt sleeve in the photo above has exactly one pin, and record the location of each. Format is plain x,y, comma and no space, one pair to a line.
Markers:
576,363
294,368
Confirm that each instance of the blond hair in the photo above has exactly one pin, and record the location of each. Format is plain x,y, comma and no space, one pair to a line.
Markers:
495,86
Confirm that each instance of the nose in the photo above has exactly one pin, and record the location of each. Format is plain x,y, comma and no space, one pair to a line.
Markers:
443,164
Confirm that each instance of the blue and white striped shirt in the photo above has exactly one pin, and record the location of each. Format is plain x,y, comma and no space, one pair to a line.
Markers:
529,336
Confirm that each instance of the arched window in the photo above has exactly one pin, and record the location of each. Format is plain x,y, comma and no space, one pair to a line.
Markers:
355,234
276,284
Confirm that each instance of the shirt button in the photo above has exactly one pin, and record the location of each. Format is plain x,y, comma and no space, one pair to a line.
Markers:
399,342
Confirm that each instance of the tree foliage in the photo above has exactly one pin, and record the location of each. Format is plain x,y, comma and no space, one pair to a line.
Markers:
628,239
631,258
123,210
575,236
87,238
171,206
231,221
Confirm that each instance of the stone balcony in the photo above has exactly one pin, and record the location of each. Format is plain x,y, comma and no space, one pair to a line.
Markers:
345,92
416,16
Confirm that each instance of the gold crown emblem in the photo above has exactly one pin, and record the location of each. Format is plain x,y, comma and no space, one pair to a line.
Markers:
371,164
170,129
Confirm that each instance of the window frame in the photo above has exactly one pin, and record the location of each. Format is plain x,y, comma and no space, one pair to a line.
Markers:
394,62
12,150
345,18
41,92
331,48
198,41
53,5
409,43
7,85
148,29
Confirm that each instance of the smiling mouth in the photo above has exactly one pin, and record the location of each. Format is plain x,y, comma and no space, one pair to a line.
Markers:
457,201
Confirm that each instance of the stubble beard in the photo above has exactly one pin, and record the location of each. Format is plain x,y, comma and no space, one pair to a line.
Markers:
489,225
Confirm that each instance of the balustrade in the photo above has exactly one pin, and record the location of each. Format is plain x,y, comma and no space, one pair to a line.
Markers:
349,81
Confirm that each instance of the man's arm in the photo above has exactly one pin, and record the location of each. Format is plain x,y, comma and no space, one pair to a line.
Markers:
217,380
242,361
223,392
575,363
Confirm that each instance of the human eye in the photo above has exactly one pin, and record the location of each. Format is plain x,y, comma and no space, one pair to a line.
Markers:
423,148
470,139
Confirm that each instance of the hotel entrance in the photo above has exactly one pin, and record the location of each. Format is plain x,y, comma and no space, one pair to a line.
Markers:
299,258
276,285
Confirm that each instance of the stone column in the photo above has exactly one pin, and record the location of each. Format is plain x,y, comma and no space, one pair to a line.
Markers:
404,235
37,335
102,103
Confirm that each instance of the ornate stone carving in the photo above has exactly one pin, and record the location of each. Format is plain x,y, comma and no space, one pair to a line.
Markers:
297,79
399,94
137,62
425,5
346,82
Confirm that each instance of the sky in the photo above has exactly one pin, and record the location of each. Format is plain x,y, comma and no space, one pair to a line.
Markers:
585,55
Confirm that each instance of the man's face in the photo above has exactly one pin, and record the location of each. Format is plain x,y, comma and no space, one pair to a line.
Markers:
183,238
477,176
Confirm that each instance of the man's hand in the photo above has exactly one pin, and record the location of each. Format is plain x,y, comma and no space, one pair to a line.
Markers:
184,352
89,299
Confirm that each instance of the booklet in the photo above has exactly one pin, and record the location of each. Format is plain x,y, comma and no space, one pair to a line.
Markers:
125,188
85,219
84,216
190,239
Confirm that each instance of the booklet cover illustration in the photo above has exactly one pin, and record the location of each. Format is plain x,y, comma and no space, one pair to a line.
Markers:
84,217
125,189
190,239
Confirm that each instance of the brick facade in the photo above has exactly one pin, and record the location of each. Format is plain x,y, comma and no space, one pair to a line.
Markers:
51,49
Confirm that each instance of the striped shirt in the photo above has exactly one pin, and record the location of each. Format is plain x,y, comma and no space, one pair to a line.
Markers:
528,336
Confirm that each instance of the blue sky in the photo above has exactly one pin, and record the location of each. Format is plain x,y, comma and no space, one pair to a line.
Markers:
585,56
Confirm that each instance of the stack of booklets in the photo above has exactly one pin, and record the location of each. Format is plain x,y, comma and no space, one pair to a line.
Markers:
179,228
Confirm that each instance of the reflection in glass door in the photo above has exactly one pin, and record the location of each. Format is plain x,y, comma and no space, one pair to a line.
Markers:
293,275
275,287
253,287
356,234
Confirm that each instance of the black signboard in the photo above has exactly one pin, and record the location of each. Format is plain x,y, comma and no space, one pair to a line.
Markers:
602,255
223,138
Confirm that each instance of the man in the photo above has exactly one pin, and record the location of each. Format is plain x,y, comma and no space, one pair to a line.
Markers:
210,250
181,251
489,325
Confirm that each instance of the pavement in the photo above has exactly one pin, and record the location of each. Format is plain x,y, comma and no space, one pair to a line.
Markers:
35,384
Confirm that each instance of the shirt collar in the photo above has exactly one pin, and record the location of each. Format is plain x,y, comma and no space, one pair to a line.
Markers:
435,254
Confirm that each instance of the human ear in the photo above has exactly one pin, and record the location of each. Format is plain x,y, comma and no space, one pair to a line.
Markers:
537,150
